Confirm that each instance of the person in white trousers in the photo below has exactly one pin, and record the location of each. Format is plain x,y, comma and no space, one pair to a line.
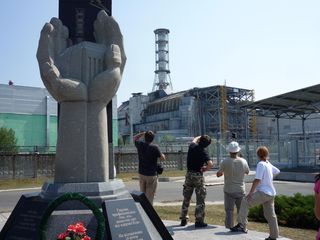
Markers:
262,192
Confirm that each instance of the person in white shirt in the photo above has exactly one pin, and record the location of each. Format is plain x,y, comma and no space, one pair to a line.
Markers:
262,192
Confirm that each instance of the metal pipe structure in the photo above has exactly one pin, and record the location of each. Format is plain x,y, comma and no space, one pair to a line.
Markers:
162,79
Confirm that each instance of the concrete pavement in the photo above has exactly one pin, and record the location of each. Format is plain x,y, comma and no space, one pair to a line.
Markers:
189,232
3,218
210,178
212,232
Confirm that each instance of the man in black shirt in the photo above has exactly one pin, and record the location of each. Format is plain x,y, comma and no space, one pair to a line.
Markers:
198,161
148,154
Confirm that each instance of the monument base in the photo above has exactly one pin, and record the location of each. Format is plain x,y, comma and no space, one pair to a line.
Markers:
95,191
131,213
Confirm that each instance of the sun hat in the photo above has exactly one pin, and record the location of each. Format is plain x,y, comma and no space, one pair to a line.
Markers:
233,147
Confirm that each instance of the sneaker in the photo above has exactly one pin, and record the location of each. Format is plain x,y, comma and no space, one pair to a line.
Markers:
269,238
239,228
200,224
184,222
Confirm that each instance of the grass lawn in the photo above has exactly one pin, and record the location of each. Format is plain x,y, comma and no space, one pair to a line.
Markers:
215,215
22,183
38,182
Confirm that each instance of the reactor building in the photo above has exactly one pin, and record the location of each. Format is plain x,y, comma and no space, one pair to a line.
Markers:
211,110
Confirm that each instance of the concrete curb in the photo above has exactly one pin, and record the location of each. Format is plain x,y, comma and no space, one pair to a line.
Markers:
20,189
296,176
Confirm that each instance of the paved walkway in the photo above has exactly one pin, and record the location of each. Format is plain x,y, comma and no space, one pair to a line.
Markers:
189,232
212,232
3,219
210,178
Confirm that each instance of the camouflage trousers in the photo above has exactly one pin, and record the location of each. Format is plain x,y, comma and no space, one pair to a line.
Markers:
194,181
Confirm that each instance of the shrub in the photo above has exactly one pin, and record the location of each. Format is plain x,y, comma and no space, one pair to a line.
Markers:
292,211
8,141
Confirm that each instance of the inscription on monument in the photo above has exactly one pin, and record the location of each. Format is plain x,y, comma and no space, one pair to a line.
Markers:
124,221
24,221
29,221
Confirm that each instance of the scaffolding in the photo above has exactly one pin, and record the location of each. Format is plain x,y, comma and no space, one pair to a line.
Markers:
223,112
219,110
252,122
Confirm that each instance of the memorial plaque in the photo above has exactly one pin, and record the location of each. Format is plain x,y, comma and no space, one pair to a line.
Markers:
24,221
141,198
123,220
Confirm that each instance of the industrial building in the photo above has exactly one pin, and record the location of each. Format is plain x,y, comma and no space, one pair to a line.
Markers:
222,113
212,110
288,123
32,113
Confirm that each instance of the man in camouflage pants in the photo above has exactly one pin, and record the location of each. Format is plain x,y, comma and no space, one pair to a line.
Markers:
198,161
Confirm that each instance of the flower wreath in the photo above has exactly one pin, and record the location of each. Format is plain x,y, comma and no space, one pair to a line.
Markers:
73,196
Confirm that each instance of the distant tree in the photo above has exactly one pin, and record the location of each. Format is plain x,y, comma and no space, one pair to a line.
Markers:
167,138
8,141
120,141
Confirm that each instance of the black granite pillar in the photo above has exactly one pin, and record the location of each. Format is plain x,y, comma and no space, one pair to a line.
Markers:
78,16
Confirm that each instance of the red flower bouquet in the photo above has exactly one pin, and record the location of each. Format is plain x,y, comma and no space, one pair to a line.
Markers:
74,232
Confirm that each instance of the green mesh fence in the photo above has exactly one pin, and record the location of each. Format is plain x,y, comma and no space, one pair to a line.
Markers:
31,130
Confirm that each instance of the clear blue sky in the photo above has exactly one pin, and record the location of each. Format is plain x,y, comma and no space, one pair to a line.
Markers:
271,46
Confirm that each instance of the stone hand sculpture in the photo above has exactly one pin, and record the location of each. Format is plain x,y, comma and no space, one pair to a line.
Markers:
83,78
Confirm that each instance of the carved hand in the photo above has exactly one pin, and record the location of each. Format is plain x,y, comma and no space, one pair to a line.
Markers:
52,43
107,32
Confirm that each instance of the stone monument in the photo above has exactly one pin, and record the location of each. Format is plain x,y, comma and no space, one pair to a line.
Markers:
83,78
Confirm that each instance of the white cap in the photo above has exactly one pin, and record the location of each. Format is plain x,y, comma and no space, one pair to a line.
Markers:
233,147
